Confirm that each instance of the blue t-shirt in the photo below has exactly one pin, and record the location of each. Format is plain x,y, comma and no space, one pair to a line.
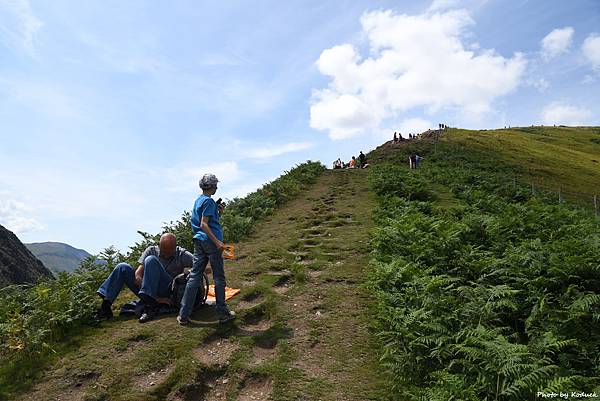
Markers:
207,207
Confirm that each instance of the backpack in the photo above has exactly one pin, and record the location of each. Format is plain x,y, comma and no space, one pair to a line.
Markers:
178,289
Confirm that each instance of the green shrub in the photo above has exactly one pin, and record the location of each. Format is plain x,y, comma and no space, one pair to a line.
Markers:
496,299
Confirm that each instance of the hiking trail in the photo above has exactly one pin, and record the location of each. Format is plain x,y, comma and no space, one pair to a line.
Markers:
302,327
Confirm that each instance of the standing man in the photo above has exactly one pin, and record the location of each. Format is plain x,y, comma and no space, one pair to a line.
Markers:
158,265
363,159
208,246
418,160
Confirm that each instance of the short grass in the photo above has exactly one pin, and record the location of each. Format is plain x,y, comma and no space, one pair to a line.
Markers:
563,159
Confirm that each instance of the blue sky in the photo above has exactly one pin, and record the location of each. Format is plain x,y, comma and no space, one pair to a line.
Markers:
112,110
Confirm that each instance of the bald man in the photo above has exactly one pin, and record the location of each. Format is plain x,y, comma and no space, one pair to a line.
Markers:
159,264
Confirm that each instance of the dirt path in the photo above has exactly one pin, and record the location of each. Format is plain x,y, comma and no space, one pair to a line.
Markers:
302,328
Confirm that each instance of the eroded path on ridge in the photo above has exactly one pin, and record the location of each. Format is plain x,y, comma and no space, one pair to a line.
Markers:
302,328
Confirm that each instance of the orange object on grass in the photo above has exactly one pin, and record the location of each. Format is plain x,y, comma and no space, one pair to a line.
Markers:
229,293
229,252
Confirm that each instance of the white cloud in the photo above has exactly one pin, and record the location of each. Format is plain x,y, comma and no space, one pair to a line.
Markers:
591,50
565,114
414,61
18,25
344,115
540,84
272,151
414,126
442,5
588,79
14,217
557,42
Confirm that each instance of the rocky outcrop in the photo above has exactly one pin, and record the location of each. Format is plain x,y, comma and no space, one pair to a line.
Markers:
17,263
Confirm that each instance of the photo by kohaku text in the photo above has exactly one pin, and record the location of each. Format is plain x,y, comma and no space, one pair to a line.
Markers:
567,395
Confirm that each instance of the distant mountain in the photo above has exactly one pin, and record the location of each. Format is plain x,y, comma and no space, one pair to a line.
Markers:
57,256
17,264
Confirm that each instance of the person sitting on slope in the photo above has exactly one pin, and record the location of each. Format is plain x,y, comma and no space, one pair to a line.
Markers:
158,265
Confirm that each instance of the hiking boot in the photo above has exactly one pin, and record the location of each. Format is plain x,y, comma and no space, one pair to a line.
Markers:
102,314
183,321
225,317
149,314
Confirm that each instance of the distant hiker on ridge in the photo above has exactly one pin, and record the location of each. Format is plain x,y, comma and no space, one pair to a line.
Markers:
395,138
418,160
158,265
208,246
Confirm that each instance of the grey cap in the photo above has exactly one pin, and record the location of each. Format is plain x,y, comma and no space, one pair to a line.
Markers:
208,181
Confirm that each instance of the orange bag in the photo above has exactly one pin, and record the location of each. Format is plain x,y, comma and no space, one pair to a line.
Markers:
229,252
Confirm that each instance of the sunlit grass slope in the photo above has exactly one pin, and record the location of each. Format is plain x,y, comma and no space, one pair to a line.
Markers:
558,158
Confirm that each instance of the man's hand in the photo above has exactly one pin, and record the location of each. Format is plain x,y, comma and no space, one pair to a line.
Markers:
139,275
220,245
221,207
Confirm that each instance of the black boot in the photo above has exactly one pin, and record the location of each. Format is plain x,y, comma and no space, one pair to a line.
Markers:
104,312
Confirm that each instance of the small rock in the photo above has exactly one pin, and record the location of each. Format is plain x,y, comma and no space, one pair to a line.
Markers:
152,383
225,381
318,313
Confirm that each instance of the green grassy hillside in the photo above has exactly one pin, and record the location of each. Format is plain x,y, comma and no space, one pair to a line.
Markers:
565,159
486,288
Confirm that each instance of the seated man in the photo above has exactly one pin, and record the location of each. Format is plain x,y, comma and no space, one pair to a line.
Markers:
152,279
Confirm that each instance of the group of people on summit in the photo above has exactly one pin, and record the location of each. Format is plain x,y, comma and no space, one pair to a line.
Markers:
360,162
160,265
398,136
